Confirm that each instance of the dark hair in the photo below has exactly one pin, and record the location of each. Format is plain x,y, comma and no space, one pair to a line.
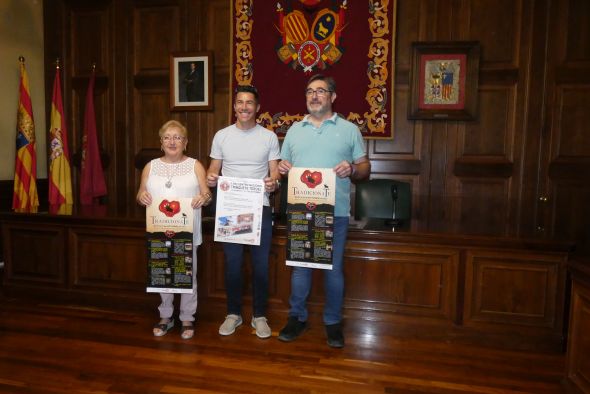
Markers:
328,80
247,89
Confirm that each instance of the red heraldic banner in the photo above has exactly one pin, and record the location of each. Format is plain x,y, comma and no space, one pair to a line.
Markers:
92,183
25,198
60,176
278,46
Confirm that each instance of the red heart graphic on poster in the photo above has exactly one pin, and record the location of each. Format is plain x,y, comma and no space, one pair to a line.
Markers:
169,208
310,206
311,179
170,233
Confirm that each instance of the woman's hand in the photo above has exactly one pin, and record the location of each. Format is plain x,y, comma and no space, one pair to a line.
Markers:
144,198
201,200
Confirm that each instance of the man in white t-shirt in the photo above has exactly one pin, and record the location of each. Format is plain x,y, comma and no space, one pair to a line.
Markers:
247,150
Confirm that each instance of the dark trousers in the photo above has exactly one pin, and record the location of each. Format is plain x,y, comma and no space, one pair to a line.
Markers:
234,258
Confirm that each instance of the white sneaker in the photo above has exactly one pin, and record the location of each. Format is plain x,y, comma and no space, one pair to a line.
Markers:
261,326
230,324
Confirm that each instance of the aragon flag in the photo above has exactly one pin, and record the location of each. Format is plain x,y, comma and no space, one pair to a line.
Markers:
92,182
60,177
25,198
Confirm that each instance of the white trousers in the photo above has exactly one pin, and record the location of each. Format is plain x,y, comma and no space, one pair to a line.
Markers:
188,301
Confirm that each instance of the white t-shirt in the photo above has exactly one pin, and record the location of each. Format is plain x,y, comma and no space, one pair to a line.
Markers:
245,153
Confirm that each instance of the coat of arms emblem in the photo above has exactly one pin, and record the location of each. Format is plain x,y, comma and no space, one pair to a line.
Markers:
310,36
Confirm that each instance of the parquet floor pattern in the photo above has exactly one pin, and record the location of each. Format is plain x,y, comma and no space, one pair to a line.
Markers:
53,348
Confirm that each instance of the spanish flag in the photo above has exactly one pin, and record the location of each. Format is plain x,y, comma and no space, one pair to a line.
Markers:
92,182
60,177
25,198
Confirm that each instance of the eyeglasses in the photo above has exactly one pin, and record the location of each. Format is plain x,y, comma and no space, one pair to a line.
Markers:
175,138
321,92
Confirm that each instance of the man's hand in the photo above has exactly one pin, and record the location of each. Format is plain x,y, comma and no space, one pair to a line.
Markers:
284,167
212,179
343,169
270,184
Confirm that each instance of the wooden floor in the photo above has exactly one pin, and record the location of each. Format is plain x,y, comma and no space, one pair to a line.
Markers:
50,348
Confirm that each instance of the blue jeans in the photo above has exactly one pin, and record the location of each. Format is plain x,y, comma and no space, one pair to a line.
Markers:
234,257
333,280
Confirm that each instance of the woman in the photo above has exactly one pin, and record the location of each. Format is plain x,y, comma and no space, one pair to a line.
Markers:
176,175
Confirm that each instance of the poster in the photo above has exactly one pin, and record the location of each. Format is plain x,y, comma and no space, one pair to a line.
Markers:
238,217
169,233
310,217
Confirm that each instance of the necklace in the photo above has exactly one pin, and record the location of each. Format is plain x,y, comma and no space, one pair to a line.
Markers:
171,173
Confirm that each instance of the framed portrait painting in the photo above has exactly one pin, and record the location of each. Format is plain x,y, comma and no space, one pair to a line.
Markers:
444,80
191,85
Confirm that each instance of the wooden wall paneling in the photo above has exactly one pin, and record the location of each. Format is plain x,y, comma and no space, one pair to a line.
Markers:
400,279
155,32
578,349
577,48
441,184
423,193
486,146
496,24
515,288
54,31
484,167
531,193
406,142
211,269
107,258
566,150
408,18
572,116
218,38
492,136
34,254
570,209
484,208
89,25
404,154
440,21
119,116
579,364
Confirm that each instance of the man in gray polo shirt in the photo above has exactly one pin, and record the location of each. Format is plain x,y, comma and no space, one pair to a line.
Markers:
247,150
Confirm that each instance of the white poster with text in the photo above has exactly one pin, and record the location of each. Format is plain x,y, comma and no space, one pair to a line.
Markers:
238,215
